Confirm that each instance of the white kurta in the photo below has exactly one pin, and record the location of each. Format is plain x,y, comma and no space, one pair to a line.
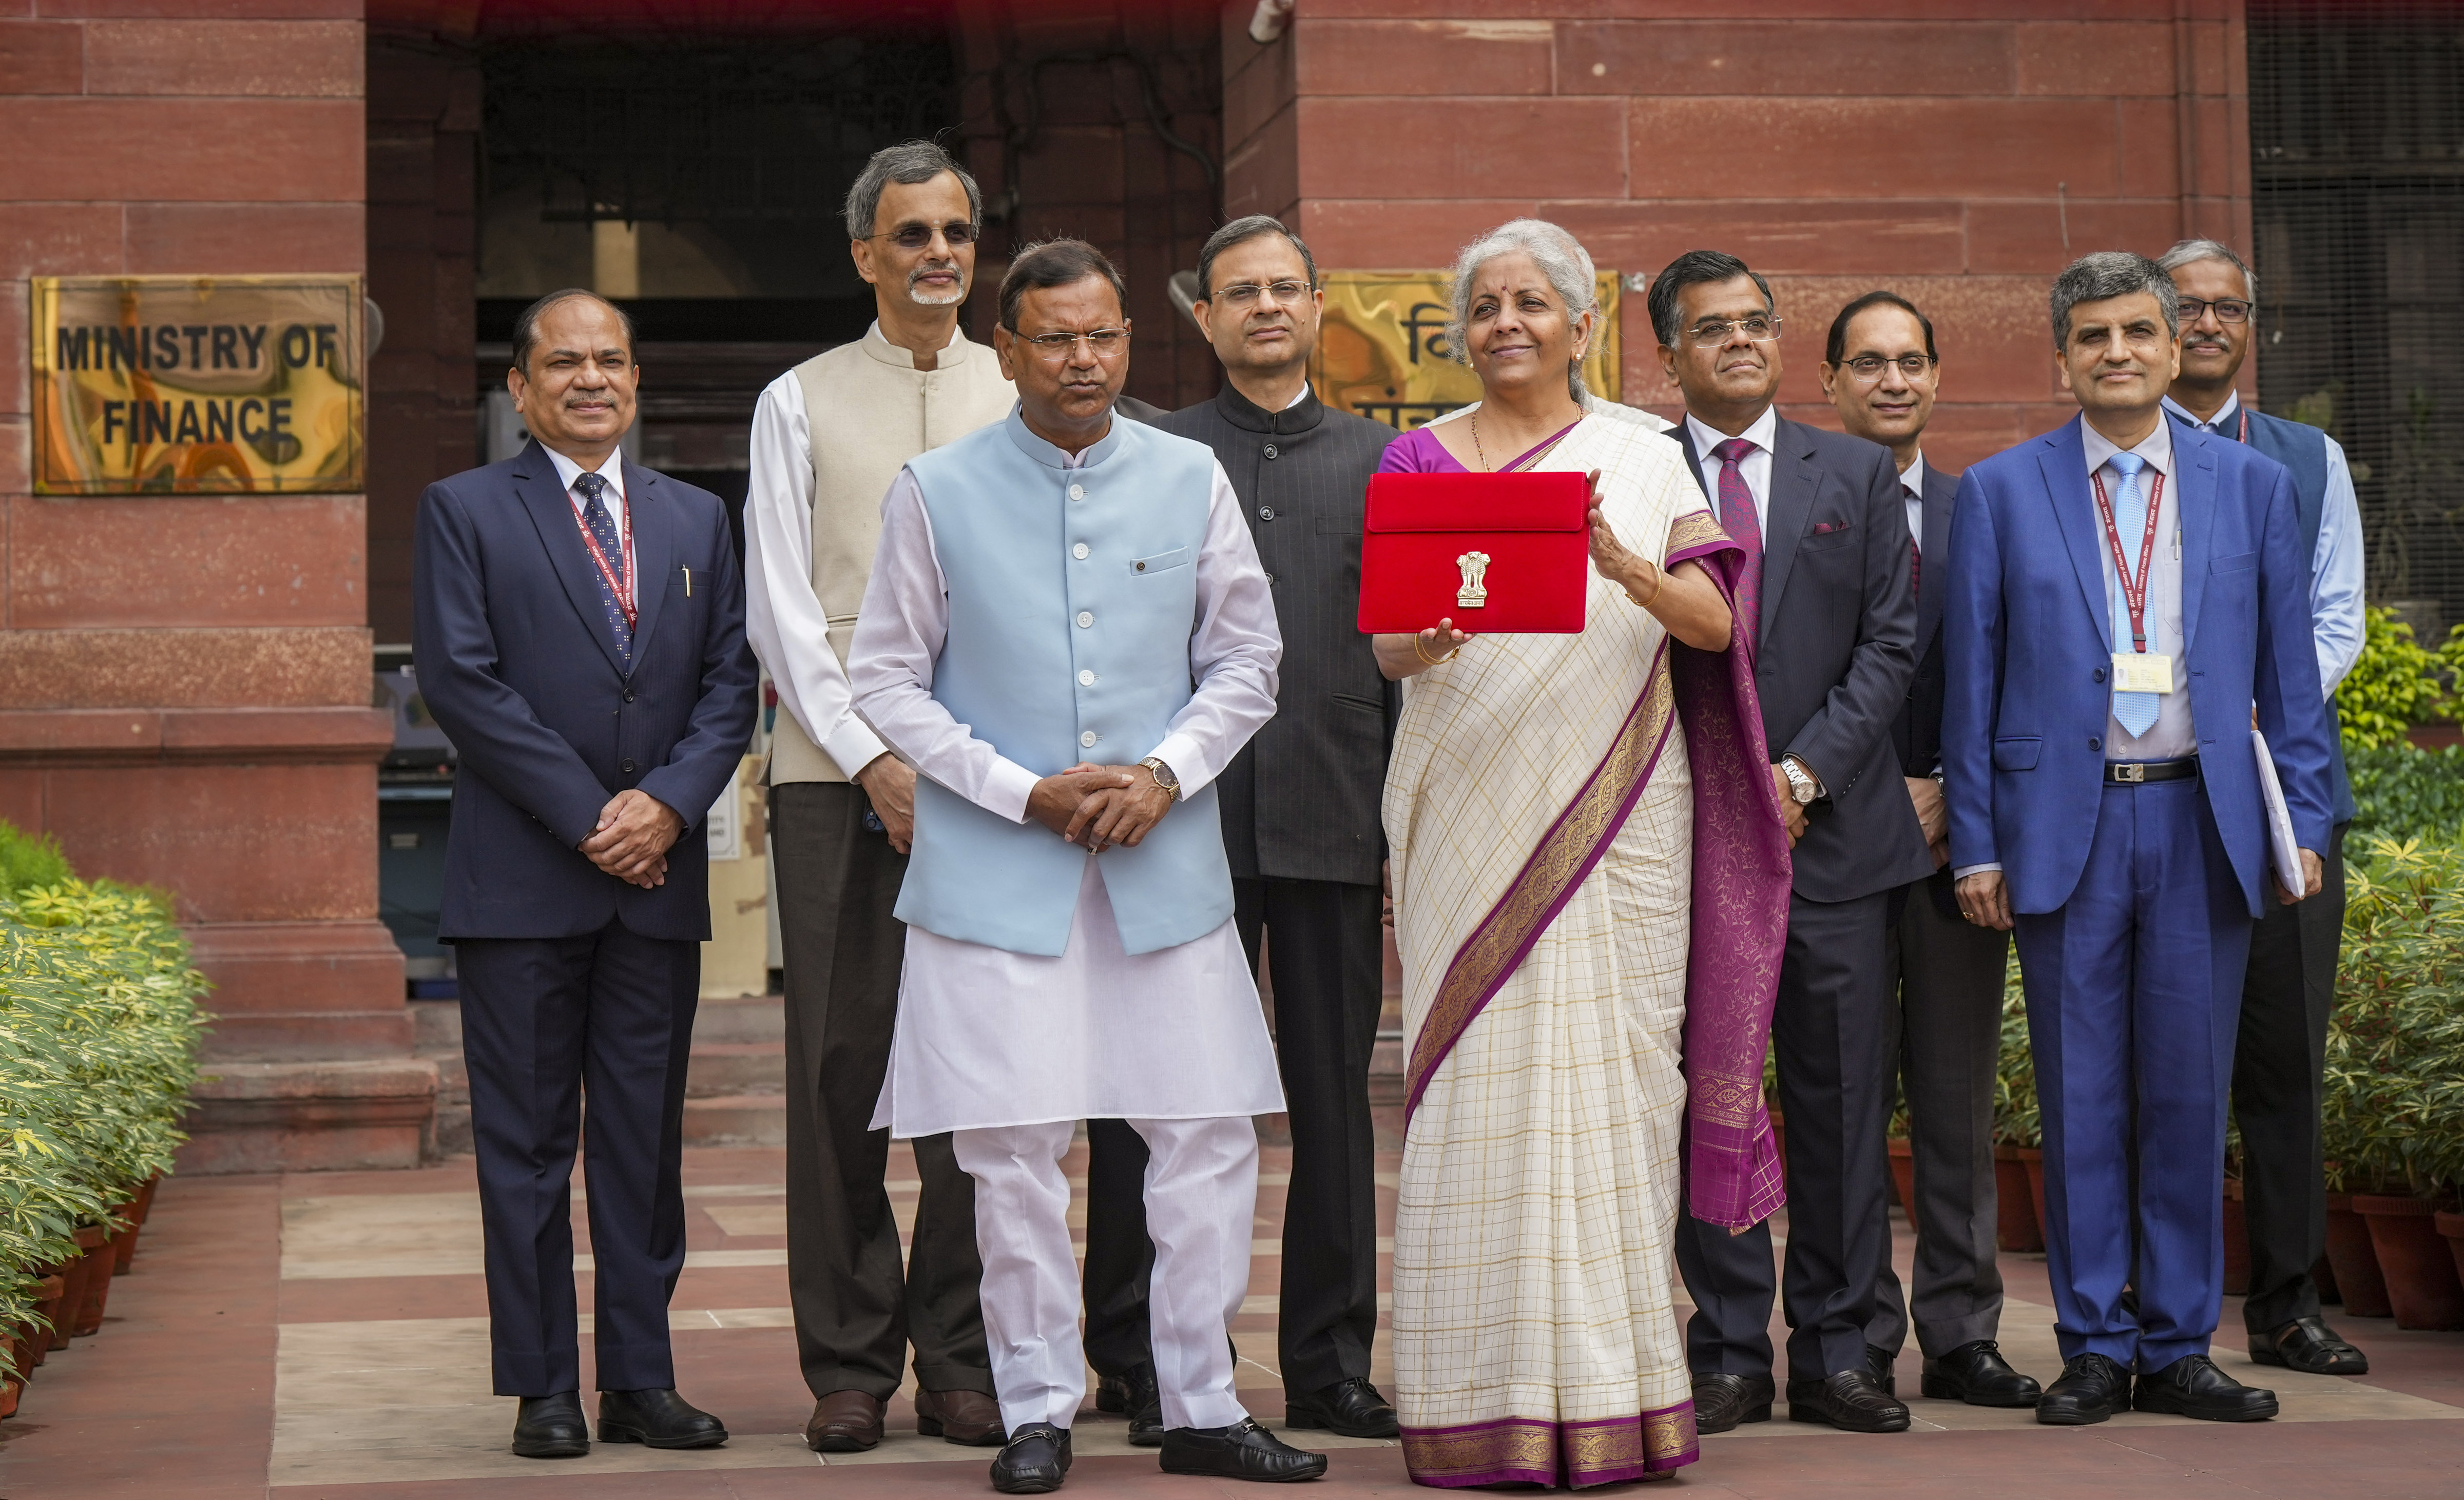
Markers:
986,1037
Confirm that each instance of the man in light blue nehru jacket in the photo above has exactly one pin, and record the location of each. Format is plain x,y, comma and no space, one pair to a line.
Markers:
1067,635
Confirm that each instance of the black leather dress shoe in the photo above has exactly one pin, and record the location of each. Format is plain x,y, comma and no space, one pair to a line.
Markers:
551,1426
1242,1451
1977,1374
2090,1388
1135,1394
2309,1345
1886,1367
1350,1409
658,1419
2192,1387
1034,1460
1721,1401
1851,1400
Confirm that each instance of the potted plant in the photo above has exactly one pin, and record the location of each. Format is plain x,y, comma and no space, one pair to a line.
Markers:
2018,1137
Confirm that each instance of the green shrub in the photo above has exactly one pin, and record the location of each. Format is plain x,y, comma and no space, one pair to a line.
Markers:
2394,1107
29,860
2404,792
98,1025
2016,1121
2396,682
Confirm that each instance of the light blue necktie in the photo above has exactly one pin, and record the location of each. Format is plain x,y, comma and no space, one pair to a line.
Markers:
2133,711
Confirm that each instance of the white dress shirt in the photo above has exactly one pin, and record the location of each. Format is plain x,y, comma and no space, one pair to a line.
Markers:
780,605
2335,565
1754,467
1912,490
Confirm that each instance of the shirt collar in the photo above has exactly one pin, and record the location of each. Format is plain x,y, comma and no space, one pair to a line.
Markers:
1764,432
888,352
1052,457
1913,476
568,470
2157,447
2215,423
1300,414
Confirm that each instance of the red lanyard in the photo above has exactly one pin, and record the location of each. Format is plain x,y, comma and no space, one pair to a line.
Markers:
2243,436
2134,592
621,586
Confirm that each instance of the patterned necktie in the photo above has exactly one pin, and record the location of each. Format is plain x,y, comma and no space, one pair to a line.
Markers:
1916,547
611,547
2135,712
1744,528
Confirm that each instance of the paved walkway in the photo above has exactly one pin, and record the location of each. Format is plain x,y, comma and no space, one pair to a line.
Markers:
324,1338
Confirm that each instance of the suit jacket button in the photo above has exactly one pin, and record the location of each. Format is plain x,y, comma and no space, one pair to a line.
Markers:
626,768
1270,450
1265,512
2098,675
629,695
2093,743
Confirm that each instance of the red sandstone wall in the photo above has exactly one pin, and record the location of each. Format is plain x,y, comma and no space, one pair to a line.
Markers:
184,681
1958,151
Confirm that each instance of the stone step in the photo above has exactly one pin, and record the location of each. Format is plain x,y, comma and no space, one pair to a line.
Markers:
737,1120
720,1069
740,1019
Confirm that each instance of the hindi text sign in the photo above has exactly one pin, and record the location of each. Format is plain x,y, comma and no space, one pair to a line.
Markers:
1382,348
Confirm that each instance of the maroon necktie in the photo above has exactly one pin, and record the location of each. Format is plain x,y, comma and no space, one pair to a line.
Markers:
1738,519
1916,551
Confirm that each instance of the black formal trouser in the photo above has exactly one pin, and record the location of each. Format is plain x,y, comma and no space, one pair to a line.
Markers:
1327,964
1946,1037
1830,1031
857,1307
2287,996
546,1021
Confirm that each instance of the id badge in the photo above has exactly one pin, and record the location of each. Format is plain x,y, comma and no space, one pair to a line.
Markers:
2141,672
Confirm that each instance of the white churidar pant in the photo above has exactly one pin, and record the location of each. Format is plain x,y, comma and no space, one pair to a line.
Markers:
1201,1194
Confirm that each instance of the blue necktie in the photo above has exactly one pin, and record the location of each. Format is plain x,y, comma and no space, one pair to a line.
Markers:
2133,711
612,546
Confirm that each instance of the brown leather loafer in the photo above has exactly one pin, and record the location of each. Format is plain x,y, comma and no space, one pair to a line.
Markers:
970,1418
844,1422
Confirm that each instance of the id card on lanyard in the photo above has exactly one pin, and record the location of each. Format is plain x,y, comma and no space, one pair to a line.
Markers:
618,571
2137,670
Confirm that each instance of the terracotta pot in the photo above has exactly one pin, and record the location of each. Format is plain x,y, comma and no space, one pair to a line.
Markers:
2015,1229
2421,1280
2354,1259
101,1258
143,1202
81,1312
123,1240
2237,1227
73,1274
10,1386
1903,1178
2451,1227
21,1348
2032,1160
54,1289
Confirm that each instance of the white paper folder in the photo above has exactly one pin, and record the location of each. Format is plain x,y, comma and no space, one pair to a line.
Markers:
2283,852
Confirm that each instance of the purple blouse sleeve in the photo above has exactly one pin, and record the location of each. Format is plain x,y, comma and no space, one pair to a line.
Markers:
1417,452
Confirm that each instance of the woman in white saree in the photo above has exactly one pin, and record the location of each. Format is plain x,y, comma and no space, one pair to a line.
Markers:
1584,896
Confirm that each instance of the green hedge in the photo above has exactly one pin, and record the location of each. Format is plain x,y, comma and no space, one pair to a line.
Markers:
2394,1107
99,1023
2406,792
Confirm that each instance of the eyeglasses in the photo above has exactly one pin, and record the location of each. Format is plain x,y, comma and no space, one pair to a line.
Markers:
2228,309
1759,329
1106,342
915,236
1869,366
1247,292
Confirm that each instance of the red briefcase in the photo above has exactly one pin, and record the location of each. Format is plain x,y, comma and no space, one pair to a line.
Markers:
1494,553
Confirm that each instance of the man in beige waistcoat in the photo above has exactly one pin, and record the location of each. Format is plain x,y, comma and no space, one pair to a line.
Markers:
828,436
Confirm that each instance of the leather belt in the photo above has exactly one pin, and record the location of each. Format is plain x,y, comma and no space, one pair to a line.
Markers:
2135,773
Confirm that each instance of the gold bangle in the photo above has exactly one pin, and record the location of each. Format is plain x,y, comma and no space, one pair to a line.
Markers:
1422,652
1658,578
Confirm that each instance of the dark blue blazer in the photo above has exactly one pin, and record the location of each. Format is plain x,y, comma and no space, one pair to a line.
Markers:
2030,646
515,662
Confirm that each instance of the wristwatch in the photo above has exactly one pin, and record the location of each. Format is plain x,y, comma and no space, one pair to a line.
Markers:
1800,786
1163,776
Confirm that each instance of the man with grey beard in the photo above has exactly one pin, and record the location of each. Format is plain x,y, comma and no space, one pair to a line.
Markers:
828,436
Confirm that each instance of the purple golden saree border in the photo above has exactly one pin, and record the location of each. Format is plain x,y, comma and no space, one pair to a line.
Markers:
1539,1450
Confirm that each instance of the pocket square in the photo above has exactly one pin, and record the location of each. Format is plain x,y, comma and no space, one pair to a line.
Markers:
1826,528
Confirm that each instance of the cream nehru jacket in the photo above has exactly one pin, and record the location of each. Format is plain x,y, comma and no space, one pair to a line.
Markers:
869,410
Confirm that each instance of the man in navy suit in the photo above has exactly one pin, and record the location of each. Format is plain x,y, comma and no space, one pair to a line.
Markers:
579,634
1880,371
1826,608
2128,597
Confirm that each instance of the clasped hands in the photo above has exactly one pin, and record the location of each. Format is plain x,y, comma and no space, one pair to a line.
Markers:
1099,806
635,831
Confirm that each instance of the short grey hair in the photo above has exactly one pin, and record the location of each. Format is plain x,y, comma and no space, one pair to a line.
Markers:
1560,257
2189,253
910,162
2112,274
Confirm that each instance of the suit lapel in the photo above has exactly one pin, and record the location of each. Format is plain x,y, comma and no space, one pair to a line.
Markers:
1794,481
1940,492
654,550
2064,460
1684,437
2194,511
552,513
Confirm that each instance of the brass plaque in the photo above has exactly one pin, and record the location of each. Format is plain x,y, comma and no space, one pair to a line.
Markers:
198,385
1382,348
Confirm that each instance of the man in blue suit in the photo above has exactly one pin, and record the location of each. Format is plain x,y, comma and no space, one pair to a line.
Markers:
2128,597
579,634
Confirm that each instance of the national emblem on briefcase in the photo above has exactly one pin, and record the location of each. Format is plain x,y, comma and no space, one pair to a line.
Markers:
1474,593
